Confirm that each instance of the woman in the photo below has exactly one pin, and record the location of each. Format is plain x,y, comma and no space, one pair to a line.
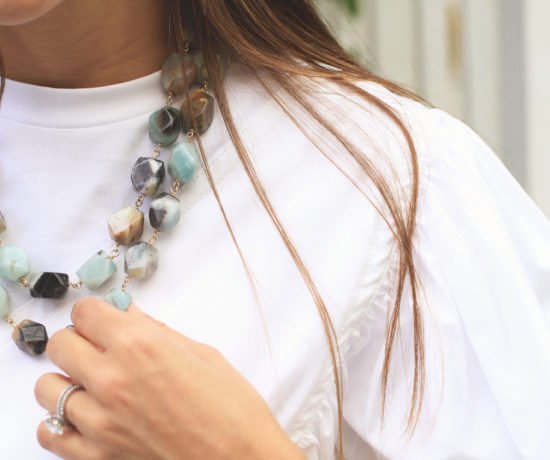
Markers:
375,285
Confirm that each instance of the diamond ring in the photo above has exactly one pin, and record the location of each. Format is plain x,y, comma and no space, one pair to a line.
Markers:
55,423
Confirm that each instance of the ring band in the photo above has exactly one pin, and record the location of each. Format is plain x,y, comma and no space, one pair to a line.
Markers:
55,423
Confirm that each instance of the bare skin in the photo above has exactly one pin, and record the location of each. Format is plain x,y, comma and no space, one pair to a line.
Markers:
82,43
150,393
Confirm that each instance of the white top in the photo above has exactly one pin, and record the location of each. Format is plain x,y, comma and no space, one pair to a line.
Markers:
483,254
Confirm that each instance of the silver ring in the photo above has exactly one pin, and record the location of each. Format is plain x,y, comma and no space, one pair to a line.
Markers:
55,423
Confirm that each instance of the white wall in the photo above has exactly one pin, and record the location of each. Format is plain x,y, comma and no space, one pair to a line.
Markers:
485,61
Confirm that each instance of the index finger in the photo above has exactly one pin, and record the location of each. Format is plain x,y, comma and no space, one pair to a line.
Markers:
97,320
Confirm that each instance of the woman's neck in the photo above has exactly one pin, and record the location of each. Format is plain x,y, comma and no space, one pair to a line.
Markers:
87,43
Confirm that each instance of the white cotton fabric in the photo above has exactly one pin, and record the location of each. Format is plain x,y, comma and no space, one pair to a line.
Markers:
483,255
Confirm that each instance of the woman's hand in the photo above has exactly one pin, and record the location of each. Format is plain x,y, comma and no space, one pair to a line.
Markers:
151,393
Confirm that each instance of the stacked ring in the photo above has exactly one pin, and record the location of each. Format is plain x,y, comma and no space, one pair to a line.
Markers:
55,423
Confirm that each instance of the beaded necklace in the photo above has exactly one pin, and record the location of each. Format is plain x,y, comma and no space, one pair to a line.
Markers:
126,226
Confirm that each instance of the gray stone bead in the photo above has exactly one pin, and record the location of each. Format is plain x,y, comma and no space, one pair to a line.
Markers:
164,212
171,75
141,260
147,175
202,110
30,337
164,125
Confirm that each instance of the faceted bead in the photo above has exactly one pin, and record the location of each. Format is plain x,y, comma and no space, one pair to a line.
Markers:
183,161
14,262
48,285
5,305
164,212
119,299
171,75
164,125
147,175
202,72
3,221
126,225
96,270
141,260
30,337
202,110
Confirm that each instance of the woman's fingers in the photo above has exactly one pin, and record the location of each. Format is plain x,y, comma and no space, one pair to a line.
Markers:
80,408
200,349
75,355
98,320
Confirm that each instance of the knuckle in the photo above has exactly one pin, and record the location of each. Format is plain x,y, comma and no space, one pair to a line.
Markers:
39,386
136,340
108,382
80,309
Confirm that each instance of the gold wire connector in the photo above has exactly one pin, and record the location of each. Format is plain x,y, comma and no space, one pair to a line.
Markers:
125,283
175,188
139,201
190,135
170,98
77,285
115,252
154,237
24,282
10,321
156,151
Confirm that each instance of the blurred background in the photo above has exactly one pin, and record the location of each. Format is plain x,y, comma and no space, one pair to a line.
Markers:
485,61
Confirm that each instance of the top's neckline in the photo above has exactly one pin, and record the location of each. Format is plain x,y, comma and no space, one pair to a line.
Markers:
81,107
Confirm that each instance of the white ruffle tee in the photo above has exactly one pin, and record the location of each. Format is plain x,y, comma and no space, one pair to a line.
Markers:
482,253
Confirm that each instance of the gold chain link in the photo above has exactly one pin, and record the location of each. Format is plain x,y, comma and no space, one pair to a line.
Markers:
139,201
175,188
77,285
126,282
24,282
10,321
154,237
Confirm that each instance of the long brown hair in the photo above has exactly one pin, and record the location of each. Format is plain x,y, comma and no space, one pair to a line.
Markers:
287,45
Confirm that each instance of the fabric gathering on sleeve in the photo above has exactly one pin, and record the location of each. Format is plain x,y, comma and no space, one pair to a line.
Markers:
482,253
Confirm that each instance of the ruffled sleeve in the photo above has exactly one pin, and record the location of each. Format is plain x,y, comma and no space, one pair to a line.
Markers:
483,257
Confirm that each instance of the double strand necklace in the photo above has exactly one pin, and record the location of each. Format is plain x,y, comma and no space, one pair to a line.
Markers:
126,226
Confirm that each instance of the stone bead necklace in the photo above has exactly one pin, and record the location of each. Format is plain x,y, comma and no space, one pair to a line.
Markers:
126,226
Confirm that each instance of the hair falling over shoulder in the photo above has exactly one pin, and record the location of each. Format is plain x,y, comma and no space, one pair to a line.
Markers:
289,47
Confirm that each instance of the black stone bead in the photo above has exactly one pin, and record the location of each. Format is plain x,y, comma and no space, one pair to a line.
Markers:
30,337
49,285
147,175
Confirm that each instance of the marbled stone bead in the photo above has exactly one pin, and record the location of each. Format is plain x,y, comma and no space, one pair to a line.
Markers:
30,337
183,162
202,110
48,285
3,225
14,262
141,260
171,75
147,175
96,270
164,212
126,225
119,299
5,304
164,125
202,72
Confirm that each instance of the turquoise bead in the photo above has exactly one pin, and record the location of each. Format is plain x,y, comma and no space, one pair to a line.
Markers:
119,299
14,262
96,270
183,161
164,125
4,302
